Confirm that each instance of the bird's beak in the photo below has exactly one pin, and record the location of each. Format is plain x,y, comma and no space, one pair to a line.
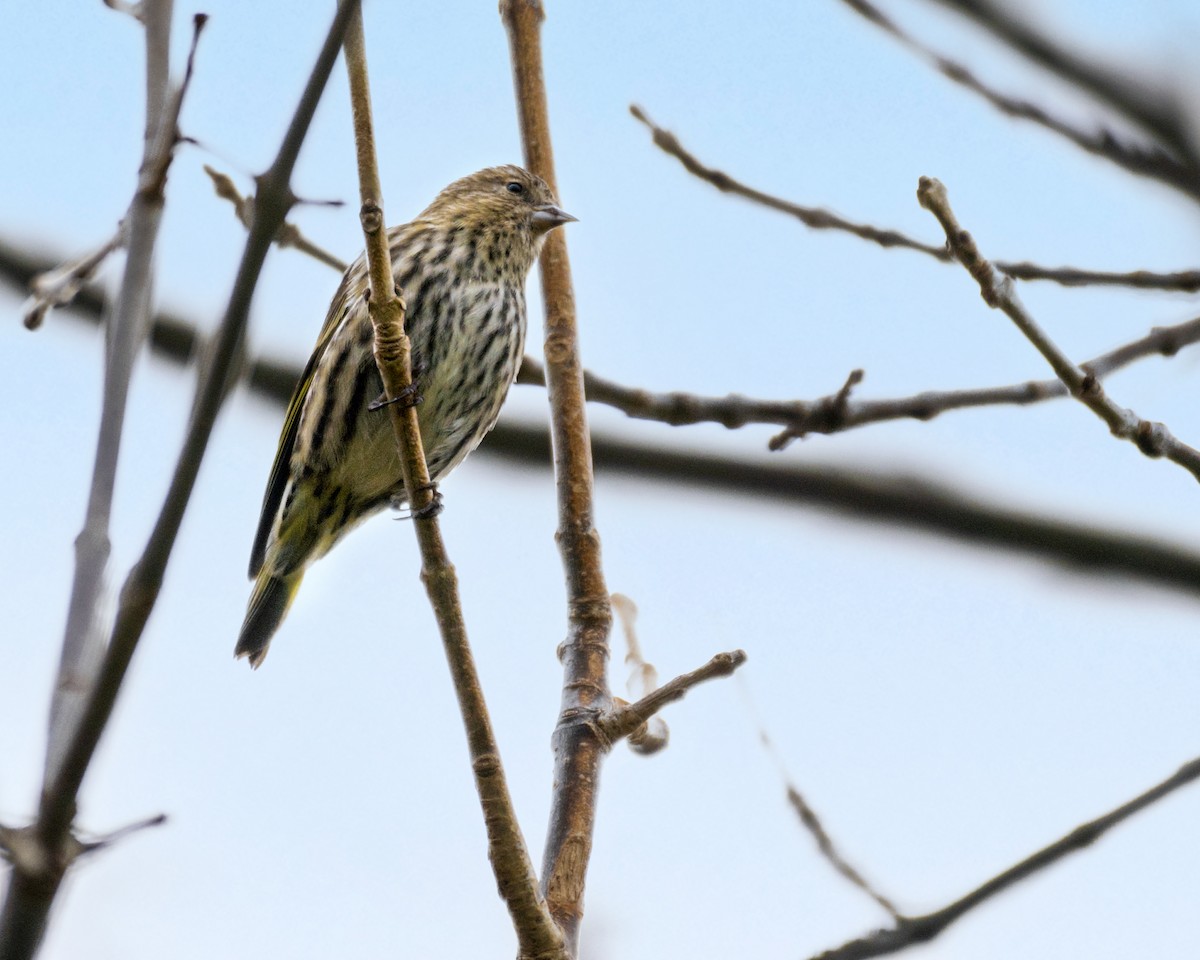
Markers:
549,216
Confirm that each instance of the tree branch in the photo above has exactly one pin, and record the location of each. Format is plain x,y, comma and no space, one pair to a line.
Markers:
623,721
537,934
909,931
578,751
999,292
1156,110
1143,160
32,890
1187,281
289,234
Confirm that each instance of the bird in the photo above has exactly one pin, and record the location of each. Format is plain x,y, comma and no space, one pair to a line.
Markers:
461,265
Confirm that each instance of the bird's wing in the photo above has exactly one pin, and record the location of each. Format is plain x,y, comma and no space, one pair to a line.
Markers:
283,455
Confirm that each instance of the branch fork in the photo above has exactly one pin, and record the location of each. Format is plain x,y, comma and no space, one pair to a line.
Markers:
999,292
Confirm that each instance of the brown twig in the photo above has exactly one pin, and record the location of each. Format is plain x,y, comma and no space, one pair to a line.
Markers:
1187,281
623,721
910,931
839,412
578,750
999,292
537,934
1143,160
35,881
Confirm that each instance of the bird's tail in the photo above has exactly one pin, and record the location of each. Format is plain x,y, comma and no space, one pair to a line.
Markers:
269,603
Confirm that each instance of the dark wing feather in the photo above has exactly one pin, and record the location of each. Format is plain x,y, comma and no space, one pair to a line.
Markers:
291,424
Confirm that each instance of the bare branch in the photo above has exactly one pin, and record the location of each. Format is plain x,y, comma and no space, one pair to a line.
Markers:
289,234
177,339
31,892
57,287
623,721
1155,108
910,931
999,292
578,750
537,934
1140,159
908,500
838,412
82,640
819,219
809,819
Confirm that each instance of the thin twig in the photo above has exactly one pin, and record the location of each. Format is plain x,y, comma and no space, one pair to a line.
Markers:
624,720
1142,160
1187,281
58,286
910,931
289,234
837,412
809,819
999,292
578,751
904,499
81,650
537,935
30,894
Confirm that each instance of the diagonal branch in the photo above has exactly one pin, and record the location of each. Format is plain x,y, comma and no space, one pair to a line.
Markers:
999,292
1156,109
578,750
910,931
624,720
1187,281
1143,160
537,934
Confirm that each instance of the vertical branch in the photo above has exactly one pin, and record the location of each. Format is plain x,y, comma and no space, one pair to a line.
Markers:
43,852
538,937
81,649
578,747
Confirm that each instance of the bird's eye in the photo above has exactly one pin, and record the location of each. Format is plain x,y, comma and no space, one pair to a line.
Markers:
517,188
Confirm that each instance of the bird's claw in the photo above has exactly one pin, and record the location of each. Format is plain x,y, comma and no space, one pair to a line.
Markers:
435,505
408,397
427,512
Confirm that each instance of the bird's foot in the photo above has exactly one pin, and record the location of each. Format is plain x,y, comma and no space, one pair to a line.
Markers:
427,512
410,396
435,505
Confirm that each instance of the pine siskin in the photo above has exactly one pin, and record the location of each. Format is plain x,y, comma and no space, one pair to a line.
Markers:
462,265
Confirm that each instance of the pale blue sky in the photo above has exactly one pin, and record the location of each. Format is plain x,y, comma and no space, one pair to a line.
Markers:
947,710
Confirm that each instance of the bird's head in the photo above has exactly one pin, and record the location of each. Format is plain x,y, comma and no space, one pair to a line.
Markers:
507,199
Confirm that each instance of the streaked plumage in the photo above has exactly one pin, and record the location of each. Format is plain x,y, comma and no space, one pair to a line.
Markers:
462,265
